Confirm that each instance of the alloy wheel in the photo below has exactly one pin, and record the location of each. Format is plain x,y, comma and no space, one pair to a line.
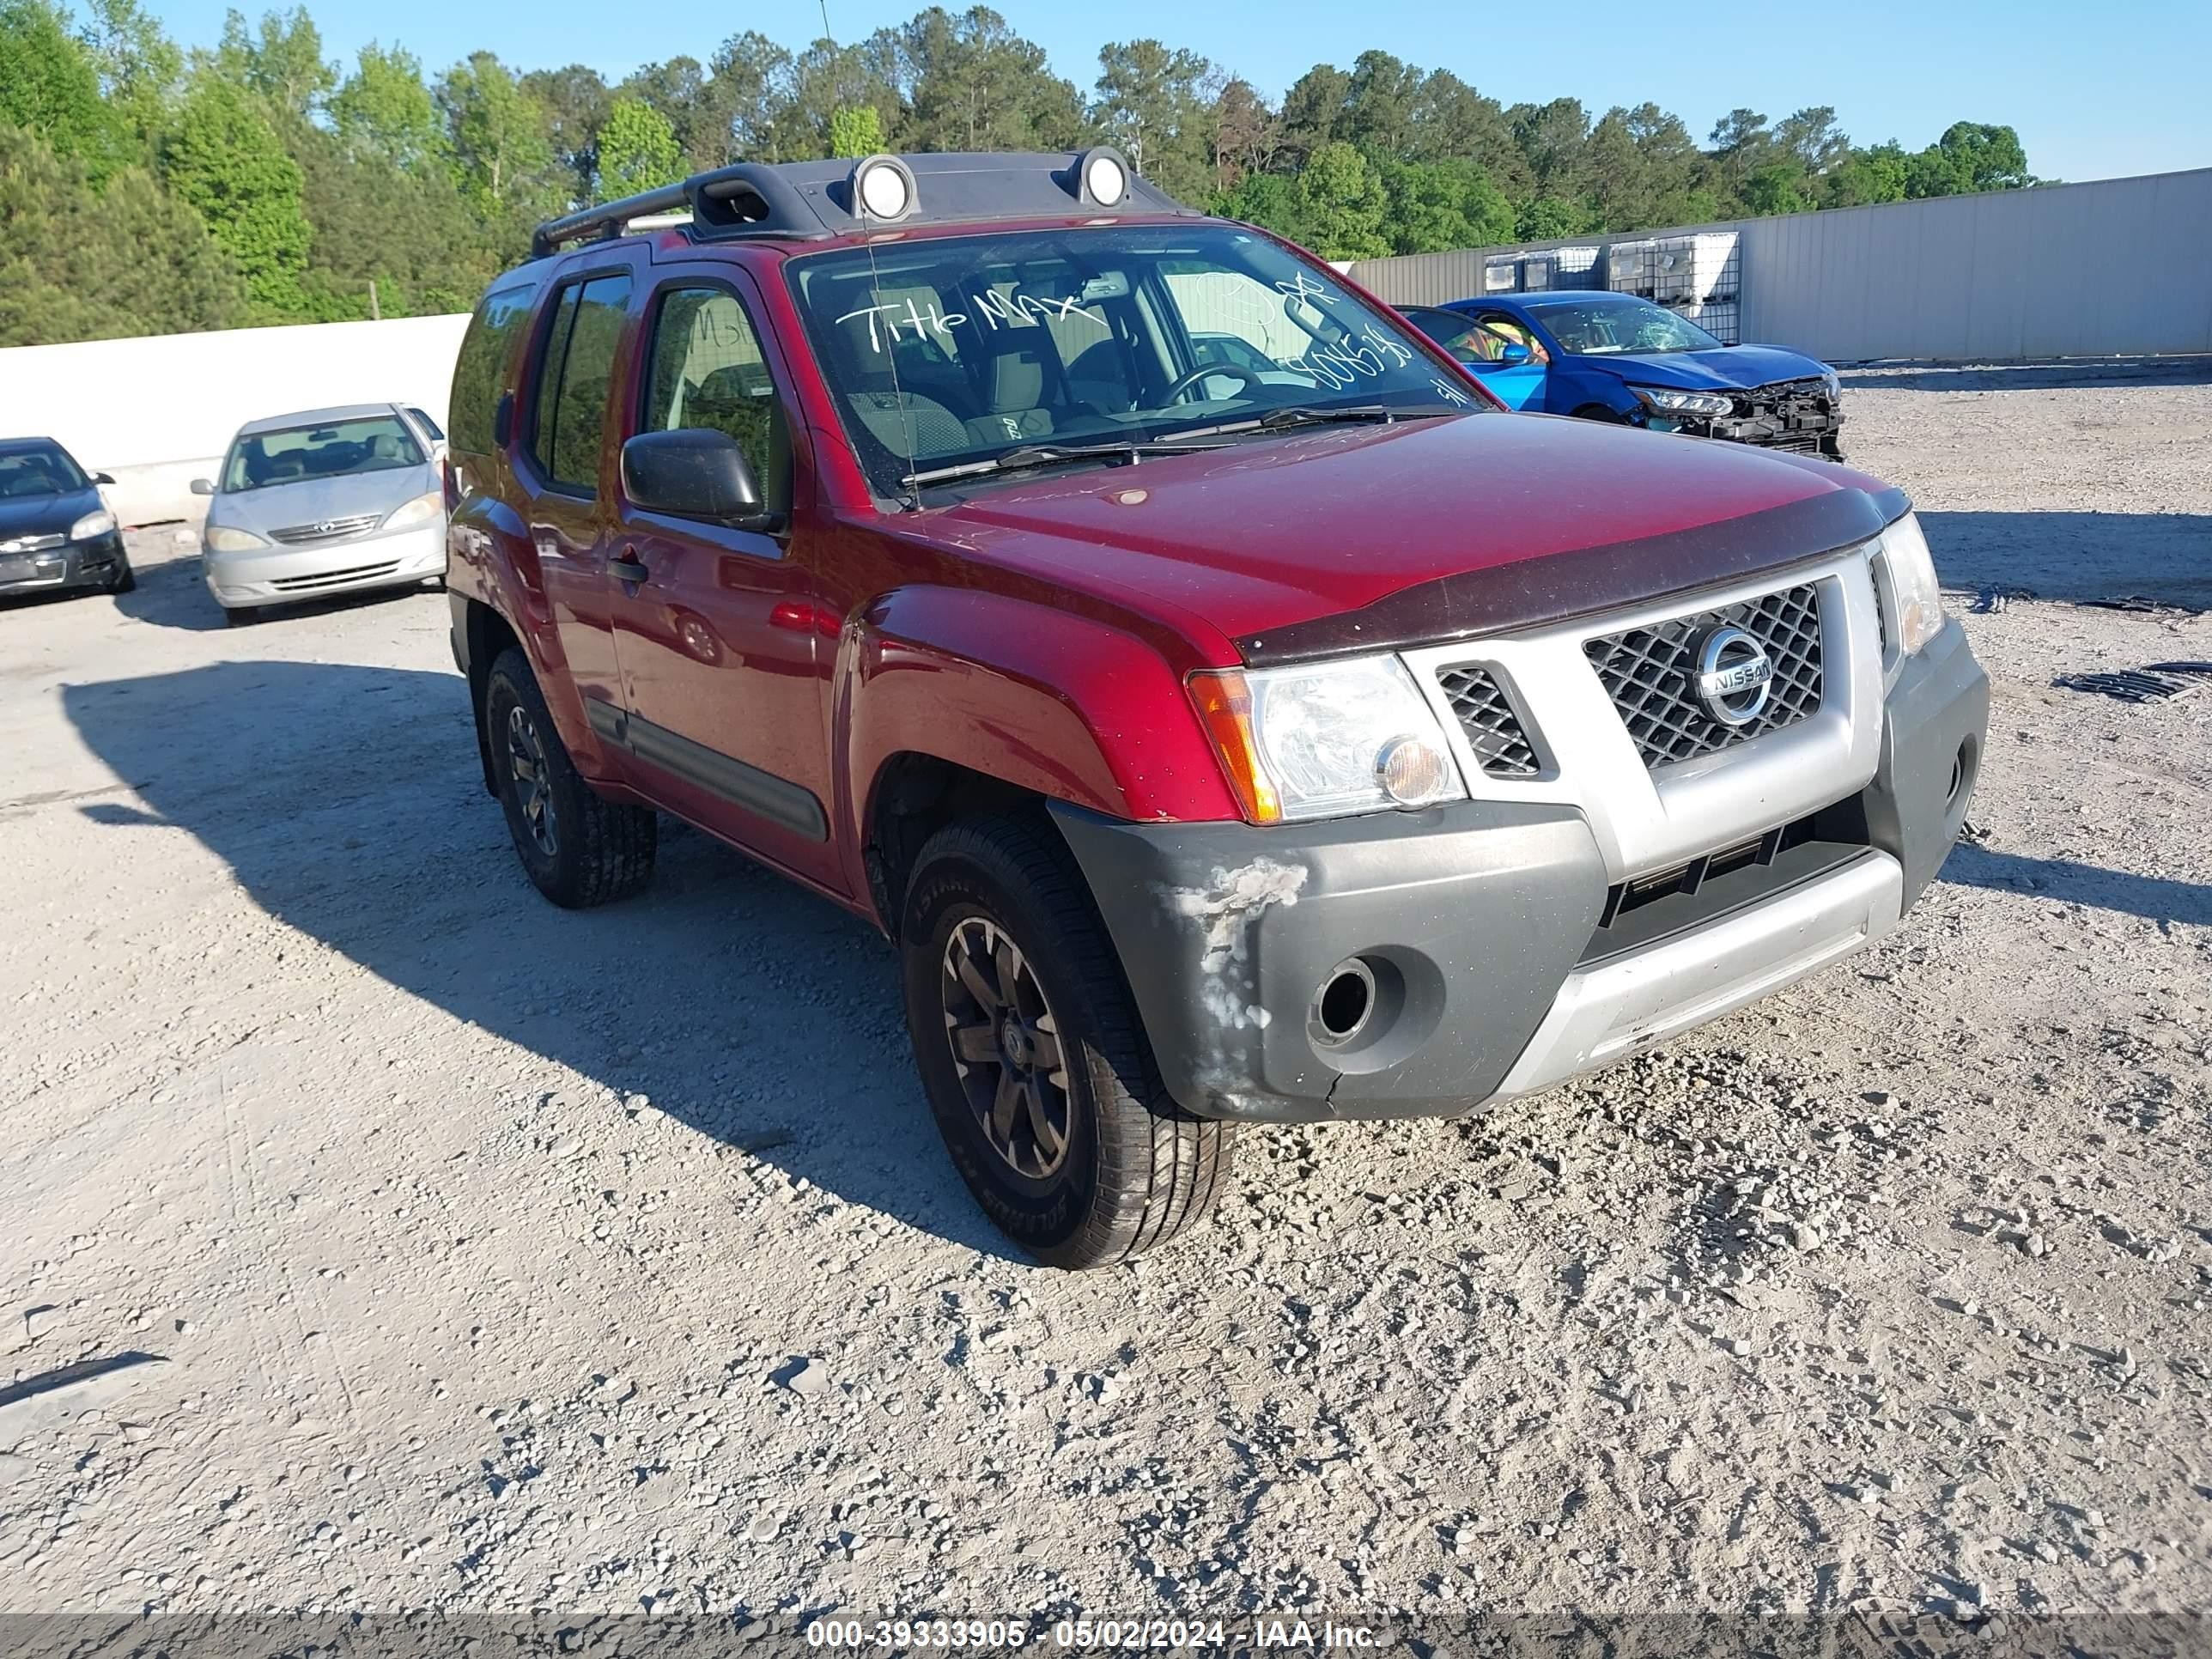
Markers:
533,786
1006,1047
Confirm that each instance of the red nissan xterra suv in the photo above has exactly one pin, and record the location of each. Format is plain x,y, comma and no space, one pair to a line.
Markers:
1231,715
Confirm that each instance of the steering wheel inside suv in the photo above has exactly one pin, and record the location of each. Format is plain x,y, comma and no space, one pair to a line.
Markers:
1188,383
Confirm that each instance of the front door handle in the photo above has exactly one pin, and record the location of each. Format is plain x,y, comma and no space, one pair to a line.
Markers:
627,568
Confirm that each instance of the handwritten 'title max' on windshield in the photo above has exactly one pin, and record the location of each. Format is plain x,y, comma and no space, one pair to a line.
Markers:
1332,364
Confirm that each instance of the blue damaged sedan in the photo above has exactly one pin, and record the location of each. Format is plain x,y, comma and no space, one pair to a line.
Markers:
1615,357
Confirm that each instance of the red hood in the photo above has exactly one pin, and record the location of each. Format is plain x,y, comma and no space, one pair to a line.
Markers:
1273,532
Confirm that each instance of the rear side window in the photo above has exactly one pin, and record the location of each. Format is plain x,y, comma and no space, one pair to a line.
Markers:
574,379
478,373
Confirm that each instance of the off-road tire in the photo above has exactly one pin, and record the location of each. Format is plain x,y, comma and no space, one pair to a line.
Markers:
602,850
1138,1168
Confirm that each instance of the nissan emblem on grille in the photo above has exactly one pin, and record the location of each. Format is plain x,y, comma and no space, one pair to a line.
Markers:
1691,686
1733,672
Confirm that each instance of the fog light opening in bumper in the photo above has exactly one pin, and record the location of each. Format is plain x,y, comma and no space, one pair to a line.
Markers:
1344,1003
1964,765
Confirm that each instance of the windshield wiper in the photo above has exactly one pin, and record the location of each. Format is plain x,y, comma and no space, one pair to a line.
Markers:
1300,415
1029,455
1306,414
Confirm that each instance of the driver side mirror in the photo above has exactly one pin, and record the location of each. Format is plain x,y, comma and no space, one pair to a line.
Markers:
694,472
1515,356
203,486
103,477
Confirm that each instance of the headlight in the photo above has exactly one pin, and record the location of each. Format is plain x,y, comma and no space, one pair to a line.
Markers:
1326,740
92,524
1919,614
423,510
1671,401
224,538
1834,382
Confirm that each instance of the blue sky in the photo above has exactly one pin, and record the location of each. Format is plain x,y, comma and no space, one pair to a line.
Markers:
2096,93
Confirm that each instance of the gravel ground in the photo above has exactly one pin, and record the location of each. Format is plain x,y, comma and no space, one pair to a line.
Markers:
500,1259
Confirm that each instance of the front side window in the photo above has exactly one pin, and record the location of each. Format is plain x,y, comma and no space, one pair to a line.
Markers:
1595,328
1496,330
956,351
708,372
297,454
575,375
42,471
1460,335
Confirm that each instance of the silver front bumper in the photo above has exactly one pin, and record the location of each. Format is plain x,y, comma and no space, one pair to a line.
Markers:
284,575
1609,1011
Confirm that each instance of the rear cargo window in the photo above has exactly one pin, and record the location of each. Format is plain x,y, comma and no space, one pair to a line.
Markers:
479,373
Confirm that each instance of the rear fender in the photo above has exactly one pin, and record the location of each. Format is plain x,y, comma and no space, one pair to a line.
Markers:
493,561
1066,708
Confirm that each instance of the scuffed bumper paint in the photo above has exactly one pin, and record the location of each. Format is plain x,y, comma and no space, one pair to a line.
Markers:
1478,923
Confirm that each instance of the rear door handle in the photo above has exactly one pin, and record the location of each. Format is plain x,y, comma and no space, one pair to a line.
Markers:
627,568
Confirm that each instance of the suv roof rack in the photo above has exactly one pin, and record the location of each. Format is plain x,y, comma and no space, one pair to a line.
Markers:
809,200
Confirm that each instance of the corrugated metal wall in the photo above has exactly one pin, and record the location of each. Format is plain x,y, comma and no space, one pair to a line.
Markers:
2120,267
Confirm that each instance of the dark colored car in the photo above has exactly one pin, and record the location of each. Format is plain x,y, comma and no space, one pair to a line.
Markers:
1223,734
55,532
1615,357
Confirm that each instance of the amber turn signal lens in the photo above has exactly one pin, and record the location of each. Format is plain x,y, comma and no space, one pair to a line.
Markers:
1224,708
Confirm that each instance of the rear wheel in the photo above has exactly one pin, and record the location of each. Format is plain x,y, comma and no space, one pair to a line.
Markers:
1034,1059
580,848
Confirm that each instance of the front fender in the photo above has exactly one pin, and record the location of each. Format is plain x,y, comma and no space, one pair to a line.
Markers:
1069,708
1581,387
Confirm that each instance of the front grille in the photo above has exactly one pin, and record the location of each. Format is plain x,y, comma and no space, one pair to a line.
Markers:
1880,607
1650,673
1701,891
31,543
362,573
328,530
1493,730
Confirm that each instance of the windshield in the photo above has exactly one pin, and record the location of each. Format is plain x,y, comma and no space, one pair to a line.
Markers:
1596,327
948,353
42,471
373,443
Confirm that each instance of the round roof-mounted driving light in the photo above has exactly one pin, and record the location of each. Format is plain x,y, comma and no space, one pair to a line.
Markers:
1104,175
883,188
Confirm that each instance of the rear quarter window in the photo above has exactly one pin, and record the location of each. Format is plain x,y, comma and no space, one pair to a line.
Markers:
480,371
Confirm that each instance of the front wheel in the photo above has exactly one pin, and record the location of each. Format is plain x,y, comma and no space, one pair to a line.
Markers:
579,848
1034,1059
124,579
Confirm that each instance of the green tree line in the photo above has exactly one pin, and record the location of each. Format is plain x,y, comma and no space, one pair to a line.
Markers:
147,188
